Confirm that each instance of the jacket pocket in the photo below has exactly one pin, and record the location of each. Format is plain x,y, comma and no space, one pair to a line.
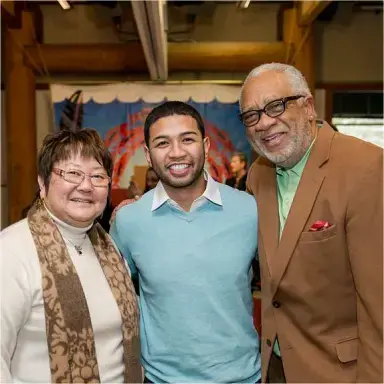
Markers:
308,237
347,350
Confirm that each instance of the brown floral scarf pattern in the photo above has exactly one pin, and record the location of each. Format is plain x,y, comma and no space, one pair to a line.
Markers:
70,336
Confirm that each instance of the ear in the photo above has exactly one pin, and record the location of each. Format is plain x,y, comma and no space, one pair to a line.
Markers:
148,156
310,108
42,187
207,144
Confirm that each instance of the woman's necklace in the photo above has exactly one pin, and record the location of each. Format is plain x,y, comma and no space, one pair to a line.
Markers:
79,248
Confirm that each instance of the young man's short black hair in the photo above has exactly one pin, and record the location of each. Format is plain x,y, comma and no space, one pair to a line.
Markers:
170,108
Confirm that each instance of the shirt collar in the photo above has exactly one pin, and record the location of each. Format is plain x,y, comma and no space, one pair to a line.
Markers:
211,193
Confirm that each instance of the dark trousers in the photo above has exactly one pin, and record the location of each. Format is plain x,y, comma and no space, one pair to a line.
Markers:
275,370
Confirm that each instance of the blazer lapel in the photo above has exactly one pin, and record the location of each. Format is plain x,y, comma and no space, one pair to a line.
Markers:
268,211
305,197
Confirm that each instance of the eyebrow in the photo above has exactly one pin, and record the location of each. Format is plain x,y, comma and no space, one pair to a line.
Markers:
272,98
79,166
167,136
265,102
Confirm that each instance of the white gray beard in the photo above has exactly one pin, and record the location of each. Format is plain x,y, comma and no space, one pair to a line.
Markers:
291,157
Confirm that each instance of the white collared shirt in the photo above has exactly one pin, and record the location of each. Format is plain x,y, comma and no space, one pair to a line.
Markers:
211,193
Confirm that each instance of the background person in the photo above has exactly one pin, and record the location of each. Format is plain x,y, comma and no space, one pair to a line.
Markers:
239,171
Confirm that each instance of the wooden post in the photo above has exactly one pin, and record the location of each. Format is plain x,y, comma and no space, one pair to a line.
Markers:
20,114
300,39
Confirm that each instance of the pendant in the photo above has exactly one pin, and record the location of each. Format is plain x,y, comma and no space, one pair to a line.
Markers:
78,249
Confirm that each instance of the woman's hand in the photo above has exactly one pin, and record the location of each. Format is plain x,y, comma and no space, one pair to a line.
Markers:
121,205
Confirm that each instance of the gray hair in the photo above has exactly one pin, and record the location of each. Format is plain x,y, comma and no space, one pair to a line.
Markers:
298,83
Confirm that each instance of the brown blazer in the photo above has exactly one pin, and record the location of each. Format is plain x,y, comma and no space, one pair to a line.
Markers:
322,292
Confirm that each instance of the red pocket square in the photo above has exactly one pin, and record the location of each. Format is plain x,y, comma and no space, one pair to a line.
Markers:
319,225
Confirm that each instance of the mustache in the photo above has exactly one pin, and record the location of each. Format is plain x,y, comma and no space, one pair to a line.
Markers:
264,135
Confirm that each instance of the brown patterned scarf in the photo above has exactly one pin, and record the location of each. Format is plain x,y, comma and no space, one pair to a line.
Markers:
70,336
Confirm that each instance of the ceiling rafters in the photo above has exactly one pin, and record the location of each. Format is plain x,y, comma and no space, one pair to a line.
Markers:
309,10
150,22
129,57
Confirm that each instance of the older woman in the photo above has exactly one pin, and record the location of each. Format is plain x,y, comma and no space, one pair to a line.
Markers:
68,310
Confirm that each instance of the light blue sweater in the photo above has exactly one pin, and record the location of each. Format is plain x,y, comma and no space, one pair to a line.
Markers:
195,295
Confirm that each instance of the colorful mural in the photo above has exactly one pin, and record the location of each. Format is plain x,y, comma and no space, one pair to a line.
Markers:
121,126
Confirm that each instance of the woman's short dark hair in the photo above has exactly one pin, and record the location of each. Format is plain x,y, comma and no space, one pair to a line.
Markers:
170,108
61,145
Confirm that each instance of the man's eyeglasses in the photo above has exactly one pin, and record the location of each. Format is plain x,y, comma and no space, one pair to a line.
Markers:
272,109
76,176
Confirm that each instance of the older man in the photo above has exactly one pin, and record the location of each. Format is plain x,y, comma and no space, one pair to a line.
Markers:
320,201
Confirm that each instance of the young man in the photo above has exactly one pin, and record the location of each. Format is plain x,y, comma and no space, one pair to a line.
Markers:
239,171
320,198
191,241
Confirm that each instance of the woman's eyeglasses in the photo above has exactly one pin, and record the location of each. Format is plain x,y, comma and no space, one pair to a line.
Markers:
272,109
76,176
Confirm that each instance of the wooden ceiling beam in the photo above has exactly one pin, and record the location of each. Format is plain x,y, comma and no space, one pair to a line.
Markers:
223,56
88,58
129,57
11,13
309,10
301,43
8,6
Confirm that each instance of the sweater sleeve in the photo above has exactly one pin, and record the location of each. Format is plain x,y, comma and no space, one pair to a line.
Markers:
117,234
16,304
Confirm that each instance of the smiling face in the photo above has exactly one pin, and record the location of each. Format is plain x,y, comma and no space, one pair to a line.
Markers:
283,139
177,151
77,205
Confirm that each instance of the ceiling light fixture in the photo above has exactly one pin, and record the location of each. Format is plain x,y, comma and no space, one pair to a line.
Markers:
244,3
64,4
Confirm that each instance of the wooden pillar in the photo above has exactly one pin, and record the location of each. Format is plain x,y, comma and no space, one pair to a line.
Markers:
301,41
20,114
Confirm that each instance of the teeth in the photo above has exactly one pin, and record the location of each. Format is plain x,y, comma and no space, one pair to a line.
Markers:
271,137
179,167
81,201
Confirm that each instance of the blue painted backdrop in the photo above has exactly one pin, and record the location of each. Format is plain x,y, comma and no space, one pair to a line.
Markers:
121,127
